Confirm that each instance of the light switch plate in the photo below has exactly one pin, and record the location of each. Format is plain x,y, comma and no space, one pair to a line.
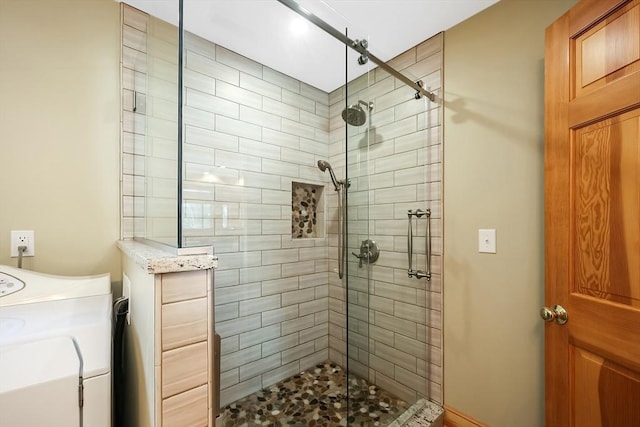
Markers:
487,240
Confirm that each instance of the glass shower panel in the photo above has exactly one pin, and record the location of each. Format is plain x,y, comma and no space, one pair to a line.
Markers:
253,137
155,108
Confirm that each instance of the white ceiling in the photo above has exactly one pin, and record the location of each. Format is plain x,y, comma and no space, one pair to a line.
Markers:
262,30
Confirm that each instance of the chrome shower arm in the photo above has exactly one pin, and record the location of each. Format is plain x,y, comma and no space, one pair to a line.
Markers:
369,105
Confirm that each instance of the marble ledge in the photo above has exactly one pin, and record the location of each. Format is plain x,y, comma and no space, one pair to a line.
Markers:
156,259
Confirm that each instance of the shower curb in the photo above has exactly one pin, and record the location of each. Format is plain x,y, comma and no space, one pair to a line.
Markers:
421,414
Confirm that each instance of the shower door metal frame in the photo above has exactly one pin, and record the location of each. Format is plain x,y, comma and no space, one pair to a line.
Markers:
359,47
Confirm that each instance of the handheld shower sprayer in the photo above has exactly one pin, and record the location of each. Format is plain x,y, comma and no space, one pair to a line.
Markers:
323,165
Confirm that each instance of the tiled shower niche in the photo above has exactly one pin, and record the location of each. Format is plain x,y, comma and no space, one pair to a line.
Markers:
307,211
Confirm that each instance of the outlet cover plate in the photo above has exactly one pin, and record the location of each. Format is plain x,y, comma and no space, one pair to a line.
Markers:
28,236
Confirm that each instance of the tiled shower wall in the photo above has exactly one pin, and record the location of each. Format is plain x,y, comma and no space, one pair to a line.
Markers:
394,163
249,132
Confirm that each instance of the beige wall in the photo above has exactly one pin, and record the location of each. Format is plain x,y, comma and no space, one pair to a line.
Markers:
493,178
59,146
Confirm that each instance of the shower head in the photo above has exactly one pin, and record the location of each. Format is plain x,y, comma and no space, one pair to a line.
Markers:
355,115
323,165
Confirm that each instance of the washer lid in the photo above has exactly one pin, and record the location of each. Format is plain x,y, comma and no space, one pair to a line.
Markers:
18,286
40,361
85,321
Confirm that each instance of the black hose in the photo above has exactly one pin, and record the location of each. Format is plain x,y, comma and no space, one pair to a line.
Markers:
120,310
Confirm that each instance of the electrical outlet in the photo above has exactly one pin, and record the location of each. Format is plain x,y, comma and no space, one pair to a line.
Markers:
23,238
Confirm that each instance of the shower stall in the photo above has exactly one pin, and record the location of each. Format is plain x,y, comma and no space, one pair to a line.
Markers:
306,195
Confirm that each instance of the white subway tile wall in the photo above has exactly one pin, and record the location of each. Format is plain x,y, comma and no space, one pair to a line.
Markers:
249,133
260,126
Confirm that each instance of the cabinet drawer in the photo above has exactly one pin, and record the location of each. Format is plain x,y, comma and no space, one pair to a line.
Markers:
186,409
184,323
184,368
183,286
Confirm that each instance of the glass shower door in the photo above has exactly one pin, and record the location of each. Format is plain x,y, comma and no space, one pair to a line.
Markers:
393,163
367,402
369,249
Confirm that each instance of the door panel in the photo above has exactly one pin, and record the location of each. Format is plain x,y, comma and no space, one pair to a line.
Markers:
616,37
605,61
595,383
592,215
607,209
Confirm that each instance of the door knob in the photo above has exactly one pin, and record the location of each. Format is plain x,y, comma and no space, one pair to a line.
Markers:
557,313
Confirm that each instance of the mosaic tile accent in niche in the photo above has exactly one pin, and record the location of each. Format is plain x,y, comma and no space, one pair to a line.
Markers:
306,211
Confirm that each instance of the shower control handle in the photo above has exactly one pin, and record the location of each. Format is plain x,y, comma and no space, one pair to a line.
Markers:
369,252
359,257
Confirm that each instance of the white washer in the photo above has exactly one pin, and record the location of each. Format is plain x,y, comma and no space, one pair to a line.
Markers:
55,350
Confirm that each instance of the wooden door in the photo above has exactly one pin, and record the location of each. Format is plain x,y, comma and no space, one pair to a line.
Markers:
592,215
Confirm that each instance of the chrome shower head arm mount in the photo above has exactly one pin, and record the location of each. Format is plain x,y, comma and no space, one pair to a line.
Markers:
369,105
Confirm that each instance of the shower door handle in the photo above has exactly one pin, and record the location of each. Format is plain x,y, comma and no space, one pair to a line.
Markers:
410,271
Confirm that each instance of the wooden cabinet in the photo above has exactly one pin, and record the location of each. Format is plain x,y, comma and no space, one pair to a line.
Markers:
185,363
169,346
186,409
183,323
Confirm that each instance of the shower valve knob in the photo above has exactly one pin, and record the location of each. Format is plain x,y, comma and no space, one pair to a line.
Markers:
369,252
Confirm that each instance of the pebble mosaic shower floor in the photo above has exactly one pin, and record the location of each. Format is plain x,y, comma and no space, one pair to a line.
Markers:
316,397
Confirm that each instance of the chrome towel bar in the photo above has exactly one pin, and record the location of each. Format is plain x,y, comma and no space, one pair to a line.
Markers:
419,213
